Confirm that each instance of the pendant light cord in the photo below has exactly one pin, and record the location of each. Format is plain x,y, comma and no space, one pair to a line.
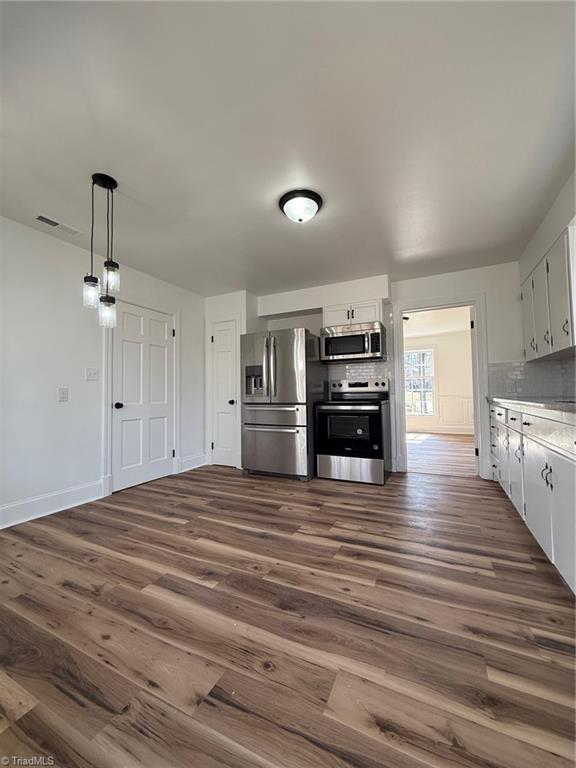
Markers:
111,225
107,235
92,237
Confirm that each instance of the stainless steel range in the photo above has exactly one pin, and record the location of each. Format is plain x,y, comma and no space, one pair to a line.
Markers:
282,378
353,432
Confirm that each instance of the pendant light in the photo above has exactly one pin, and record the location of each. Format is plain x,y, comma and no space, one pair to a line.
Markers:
91,282
107,306
300,205
96,295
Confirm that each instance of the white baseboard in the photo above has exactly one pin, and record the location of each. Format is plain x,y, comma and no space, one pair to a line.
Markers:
39,506
191,462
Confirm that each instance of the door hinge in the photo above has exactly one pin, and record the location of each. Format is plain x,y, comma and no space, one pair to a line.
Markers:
173,331
471,323
173,453
476,452
212,446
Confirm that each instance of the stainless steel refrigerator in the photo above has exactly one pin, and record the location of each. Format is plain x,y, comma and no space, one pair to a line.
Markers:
282,378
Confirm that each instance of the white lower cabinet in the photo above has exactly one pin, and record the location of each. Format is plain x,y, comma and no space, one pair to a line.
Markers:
537,494
516,492
562,486
531,459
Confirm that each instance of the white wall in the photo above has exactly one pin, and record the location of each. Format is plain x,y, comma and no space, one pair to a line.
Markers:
500,287
311,321
453,389
561,213
319,296
51,452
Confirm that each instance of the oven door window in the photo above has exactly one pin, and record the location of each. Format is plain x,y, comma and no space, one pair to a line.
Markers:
350,434
344,346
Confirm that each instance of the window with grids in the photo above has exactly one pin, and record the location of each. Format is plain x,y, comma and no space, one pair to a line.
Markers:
419,382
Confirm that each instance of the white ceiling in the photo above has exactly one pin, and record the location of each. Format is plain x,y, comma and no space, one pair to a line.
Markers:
438,133
436,321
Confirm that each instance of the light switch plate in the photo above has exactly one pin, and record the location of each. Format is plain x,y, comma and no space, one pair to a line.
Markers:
91,374
62,394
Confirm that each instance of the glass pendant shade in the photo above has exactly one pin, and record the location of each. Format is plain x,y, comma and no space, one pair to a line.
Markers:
107,312
300,205
111,277
91,291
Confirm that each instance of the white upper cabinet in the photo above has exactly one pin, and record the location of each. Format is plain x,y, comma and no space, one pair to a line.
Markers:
358,312
541,314
547,311
559,294
339,314
528,320
366,311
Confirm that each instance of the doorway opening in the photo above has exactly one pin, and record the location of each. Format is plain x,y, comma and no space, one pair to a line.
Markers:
439,391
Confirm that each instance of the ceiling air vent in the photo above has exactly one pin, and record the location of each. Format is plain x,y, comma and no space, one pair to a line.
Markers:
57,225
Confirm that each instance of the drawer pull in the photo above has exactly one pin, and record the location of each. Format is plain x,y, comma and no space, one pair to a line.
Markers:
513,418
526,423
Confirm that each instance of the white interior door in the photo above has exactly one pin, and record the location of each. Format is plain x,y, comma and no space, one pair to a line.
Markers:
224,347
142,396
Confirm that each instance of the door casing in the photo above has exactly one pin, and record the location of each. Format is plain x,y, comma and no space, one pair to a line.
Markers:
107,391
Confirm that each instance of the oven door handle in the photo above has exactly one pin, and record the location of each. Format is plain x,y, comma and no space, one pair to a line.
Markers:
266,408
336,408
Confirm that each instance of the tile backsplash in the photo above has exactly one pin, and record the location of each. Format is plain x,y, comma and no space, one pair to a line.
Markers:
357,371
538,378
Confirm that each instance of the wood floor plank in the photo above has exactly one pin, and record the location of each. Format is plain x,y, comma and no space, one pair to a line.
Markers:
213,619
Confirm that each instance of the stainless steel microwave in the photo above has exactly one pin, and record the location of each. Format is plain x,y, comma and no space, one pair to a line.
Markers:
361,341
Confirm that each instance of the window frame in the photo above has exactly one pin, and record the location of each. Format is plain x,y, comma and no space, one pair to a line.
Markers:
432,376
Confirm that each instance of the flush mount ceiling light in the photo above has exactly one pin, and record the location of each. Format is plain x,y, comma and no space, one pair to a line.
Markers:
300,205
96,296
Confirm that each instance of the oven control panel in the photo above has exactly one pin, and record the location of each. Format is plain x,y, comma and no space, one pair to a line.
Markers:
362,386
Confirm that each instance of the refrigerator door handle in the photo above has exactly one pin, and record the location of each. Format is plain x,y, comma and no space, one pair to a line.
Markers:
292,430
273,386
265,366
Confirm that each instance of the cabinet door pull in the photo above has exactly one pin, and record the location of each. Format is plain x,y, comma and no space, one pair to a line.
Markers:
517,453
549,484
348,314
547,337
542,473
565,328
532,345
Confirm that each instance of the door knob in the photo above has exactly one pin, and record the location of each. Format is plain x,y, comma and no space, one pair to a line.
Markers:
118,405
231,402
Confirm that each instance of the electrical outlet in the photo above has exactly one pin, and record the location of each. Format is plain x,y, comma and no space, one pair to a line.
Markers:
91,374
62,394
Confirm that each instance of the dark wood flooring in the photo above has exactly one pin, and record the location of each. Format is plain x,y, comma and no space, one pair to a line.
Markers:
441,454
210,619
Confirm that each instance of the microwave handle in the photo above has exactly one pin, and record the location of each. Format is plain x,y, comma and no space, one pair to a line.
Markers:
366,342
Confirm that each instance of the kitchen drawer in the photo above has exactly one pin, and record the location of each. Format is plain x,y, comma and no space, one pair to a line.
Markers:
553,433
281,415
280,450
498,413
514,420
